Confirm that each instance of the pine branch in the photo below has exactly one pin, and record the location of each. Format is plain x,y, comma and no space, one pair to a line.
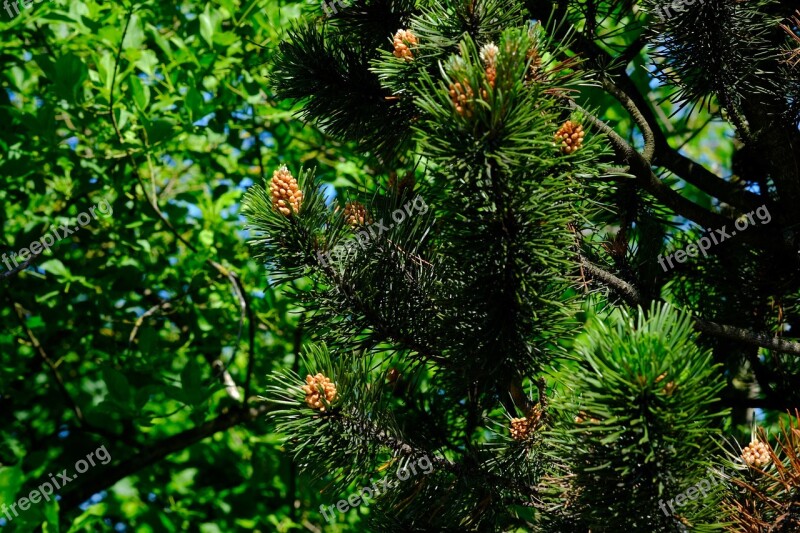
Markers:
638,118
647,180
389,333
358,425
677,163
633,297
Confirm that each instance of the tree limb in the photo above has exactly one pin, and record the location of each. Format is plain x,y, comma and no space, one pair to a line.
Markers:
78,493
633,297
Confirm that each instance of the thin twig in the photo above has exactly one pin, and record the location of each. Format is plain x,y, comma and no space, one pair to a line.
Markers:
238,290
21,267
61,384
49,362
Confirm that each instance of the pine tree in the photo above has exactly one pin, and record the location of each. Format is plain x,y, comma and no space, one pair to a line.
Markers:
490,301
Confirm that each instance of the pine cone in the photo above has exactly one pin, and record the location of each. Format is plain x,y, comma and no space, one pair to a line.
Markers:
286,196
356,215
534,72
403,40
489,54
405,185
462,98
570,137
756,454
583,416
520,428
312,389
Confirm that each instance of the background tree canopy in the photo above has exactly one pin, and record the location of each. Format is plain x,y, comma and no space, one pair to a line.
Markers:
517,331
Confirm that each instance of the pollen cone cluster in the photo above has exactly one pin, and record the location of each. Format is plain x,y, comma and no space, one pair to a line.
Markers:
355,214
570,137
313,395
462,98
286,195
583,417
521,428
756,454
403,40
489,54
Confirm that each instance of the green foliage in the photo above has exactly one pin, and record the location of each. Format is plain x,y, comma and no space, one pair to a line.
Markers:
639,410
321,437
330,72
138,313
450,316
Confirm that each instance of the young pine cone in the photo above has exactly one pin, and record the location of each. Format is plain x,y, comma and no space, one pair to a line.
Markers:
570,137
286,196
312,390
356,215
534,73
520,428
582,417
489,54
403,40
402,186
756,454
462,96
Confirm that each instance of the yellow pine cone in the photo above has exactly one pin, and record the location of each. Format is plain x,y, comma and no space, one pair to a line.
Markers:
756,454
570,137
461,95
355,214
489,54
403,40
520,428
286,195
312,390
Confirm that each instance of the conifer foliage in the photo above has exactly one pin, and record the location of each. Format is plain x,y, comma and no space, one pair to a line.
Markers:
495,309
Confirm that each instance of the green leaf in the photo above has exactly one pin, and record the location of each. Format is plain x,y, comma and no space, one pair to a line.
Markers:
207,26
118,388
191,381
194,103
56,268
141,93
134,38
70,73
207,238
158,130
